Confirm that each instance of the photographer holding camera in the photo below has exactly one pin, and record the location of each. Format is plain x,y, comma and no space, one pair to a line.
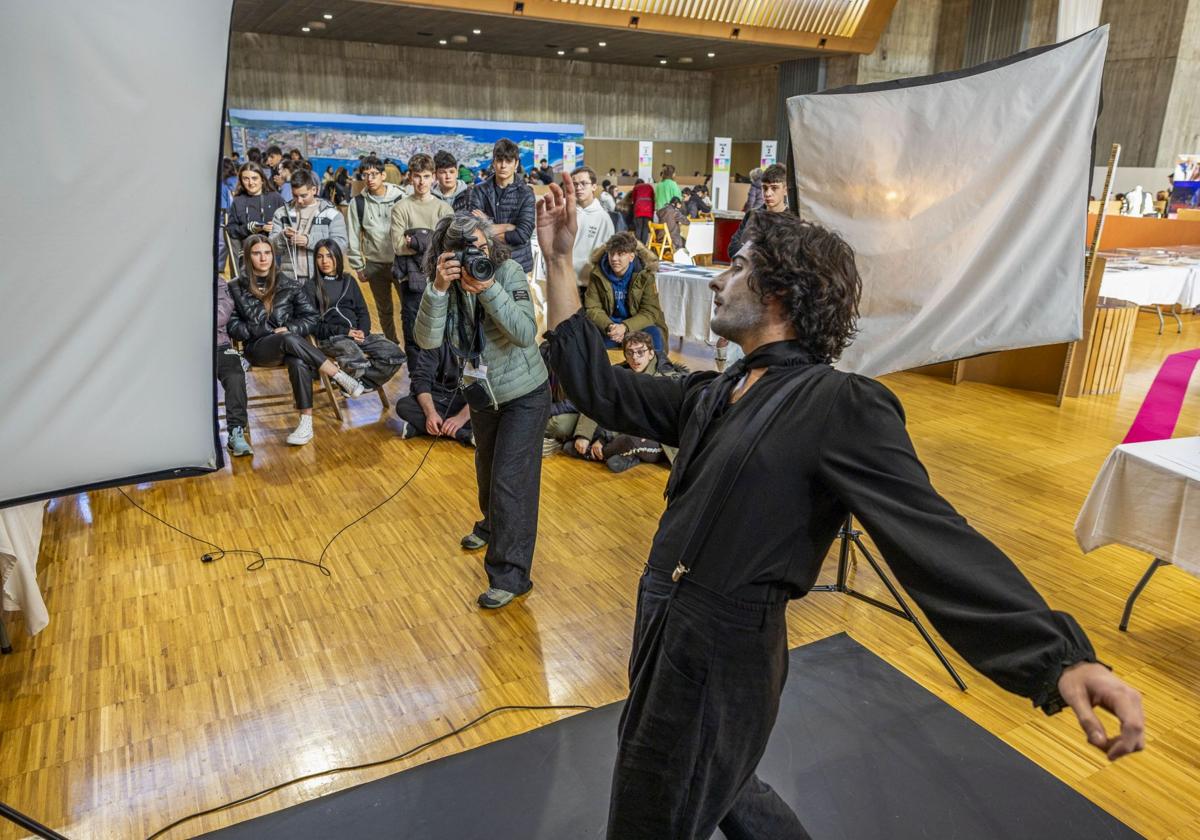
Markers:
479,298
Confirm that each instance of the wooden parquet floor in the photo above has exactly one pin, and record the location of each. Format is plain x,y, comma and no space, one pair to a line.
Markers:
165,685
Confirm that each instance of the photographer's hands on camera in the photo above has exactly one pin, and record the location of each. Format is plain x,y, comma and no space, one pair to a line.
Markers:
450,271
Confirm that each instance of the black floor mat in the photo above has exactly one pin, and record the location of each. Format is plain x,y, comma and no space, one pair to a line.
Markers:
859,751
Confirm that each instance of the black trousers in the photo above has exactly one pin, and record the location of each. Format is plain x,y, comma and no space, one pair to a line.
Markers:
446,403
295,351
641,228
508,468
705,678
380,280
233,382
374,360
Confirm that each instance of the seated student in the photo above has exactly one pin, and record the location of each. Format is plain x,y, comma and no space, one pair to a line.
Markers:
344,330
620,452
698,203
231,375
434,404
622,295
271,315
671,215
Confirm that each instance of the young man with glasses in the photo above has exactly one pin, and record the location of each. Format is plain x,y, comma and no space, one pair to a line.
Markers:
595,225
370,252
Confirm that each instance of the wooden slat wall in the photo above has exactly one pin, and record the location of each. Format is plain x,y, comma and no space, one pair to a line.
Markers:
292,74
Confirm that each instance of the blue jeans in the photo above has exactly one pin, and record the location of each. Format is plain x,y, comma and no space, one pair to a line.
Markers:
655,334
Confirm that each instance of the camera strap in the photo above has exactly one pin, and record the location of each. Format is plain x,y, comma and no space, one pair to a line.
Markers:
468,328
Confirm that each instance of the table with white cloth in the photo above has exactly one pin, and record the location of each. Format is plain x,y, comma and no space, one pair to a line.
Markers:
1147,496
686,300
699,242
20,543
1154,286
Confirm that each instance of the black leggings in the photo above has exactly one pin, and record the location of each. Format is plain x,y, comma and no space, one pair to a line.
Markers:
302,360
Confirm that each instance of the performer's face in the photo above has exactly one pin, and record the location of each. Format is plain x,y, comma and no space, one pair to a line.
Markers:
738,310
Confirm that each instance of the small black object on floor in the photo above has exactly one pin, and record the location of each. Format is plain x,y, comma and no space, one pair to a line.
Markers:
859,751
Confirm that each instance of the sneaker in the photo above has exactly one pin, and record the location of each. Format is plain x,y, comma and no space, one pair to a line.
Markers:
348,383
494,599
472,542
407,430
237,443
303,433
620,463
549,447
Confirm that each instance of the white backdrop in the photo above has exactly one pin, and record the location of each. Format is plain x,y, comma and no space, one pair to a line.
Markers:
964,199
112,128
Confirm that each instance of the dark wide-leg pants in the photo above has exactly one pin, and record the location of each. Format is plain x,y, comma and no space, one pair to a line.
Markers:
508,468
233,382
447,403
706,675
380,281
303,360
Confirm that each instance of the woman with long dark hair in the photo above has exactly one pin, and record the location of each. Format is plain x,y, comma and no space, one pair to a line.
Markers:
272,314
254,203
343,330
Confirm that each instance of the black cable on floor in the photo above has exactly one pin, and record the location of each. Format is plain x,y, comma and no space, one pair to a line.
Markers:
265,791
260,560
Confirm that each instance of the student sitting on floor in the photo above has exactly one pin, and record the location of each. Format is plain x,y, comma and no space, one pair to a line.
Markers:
344,330
620,452
435,405
271,315
622,294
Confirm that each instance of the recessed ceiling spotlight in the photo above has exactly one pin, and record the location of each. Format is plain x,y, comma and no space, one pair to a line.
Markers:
604,43
662,61
442,41
458,39
562,52
306,29
580,50
685,60
327,16
712,55
476,31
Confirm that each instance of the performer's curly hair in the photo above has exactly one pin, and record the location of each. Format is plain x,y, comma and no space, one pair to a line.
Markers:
811,271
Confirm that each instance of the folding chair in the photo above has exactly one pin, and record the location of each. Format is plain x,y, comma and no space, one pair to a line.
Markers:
660,242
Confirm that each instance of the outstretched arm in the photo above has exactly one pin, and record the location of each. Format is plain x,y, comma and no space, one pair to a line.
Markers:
619,399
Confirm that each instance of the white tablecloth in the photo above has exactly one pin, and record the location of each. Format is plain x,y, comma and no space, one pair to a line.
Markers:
1147,496
1163,285
20,542
700,239
686,300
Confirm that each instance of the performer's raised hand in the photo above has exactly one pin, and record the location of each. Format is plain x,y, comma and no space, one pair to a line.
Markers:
556,228
1086,685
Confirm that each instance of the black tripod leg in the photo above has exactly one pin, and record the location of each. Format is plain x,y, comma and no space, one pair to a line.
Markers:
908,613
1137,590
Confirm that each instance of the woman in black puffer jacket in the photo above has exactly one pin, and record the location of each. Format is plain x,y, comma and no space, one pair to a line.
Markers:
272,314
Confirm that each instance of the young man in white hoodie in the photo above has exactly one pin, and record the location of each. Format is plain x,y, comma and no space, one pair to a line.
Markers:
370,250
595,226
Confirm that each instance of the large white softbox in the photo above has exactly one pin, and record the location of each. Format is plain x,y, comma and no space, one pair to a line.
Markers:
964,196
113,117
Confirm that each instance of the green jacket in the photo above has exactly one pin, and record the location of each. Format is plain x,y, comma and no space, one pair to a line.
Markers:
510,351
644,308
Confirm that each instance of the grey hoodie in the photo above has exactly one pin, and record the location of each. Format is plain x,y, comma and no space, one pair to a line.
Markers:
371,236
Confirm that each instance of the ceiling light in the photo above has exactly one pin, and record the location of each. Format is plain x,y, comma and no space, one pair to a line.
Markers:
306,29
442,41
685,60
580,50
476,31
562,52
712,55
458,39
327,16
662,61
604,43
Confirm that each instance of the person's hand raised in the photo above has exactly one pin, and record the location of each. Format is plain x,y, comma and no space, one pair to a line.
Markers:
556,223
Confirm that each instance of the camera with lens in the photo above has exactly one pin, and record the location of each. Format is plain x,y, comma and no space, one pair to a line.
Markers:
476,263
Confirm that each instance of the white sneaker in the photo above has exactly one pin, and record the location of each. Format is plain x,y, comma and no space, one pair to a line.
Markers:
303,433
348,383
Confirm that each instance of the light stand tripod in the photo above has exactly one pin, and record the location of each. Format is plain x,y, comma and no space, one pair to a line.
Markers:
851,536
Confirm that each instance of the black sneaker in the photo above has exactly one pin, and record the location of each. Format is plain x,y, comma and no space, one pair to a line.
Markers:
620,463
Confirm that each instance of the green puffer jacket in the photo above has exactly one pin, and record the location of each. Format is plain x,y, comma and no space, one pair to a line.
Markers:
510,351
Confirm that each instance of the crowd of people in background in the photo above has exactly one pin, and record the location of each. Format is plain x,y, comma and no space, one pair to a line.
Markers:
455,248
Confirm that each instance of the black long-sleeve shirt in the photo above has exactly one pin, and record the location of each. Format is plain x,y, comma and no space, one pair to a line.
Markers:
760,506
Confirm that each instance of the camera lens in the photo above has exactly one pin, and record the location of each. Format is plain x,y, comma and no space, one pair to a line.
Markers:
480,268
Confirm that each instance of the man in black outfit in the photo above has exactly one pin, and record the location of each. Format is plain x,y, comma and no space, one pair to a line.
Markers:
435,404
773,454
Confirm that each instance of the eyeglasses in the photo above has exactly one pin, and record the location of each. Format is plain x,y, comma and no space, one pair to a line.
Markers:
637,352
